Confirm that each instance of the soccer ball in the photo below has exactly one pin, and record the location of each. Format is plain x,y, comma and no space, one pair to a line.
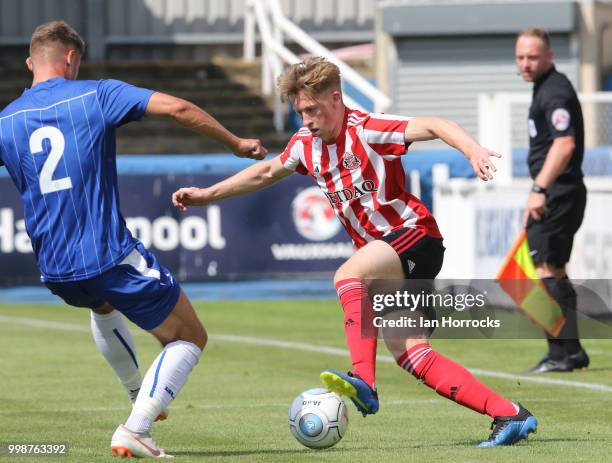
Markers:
318,418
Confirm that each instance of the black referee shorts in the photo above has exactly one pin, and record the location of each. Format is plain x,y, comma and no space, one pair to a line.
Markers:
421,255
551,238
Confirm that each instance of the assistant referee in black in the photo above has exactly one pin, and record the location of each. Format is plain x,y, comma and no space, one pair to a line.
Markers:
555,206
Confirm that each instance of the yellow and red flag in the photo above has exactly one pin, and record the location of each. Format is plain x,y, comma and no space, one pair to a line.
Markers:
518,278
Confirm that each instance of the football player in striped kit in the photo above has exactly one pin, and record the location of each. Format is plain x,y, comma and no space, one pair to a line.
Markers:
354,157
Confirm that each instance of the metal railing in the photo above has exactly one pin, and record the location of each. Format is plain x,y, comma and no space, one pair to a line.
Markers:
130,26
273,25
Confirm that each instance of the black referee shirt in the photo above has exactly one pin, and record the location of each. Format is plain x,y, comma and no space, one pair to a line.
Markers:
555,112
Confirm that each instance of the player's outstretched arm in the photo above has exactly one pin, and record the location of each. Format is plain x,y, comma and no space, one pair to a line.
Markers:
195,118
451,133
251,179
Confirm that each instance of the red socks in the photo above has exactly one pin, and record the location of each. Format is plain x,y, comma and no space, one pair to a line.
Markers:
446,377
352,292
453,381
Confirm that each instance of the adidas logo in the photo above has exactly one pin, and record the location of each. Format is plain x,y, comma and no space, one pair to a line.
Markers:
316,170
411,266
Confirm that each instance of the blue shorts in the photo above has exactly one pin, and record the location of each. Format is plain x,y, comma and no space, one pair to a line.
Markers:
139,287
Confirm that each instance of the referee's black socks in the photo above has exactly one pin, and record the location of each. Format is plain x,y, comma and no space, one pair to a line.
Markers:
567,343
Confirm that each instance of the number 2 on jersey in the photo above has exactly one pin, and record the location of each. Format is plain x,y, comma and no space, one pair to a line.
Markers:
56,138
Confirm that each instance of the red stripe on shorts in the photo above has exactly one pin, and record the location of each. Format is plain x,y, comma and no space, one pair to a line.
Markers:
411,242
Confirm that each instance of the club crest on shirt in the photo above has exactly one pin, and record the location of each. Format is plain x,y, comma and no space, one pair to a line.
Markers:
350,161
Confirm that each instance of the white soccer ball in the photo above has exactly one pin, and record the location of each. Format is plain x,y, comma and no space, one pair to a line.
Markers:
318,418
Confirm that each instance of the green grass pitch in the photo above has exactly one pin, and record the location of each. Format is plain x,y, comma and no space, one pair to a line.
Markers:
56,387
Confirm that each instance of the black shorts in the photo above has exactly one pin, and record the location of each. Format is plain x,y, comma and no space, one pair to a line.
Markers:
421,255
551,238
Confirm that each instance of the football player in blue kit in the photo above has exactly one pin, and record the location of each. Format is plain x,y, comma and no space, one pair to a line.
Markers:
57,141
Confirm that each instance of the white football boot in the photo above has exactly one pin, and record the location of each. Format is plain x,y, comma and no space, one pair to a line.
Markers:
126,444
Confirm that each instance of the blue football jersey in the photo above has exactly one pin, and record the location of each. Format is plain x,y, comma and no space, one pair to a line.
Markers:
57,142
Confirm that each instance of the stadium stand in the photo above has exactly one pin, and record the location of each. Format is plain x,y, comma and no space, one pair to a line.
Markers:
228,90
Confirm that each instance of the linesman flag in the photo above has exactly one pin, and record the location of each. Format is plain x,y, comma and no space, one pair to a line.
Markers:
518,278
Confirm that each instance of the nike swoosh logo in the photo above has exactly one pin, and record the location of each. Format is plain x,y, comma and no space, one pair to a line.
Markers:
155,452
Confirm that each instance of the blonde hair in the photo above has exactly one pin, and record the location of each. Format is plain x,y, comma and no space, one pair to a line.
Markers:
313,76
538,33
56,32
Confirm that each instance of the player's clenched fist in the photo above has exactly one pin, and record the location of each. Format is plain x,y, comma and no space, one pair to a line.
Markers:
250,148
191,196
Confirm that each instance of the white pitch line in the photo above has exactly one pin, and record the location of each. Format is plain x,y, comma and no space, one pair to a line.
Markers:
317,349
536,379
387,358
34,323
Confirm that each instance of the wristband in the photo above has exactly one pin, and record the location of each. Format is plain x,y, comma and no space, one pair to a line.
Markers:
538,189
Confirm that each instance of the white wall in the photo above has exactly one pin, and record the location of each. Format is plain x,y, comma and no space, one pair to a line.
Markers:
479,224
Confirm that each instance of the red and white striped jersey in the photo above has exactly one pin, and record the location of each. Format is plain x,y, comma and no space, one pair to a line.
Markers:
362,176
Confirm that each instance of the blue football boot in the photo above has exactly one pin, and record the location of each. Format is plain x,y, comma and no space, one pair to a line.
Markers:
352,386
508,430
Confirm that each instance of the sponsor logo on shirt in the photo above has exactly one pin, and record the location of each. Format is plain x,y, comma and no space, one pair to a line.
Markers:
352,192
560,119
